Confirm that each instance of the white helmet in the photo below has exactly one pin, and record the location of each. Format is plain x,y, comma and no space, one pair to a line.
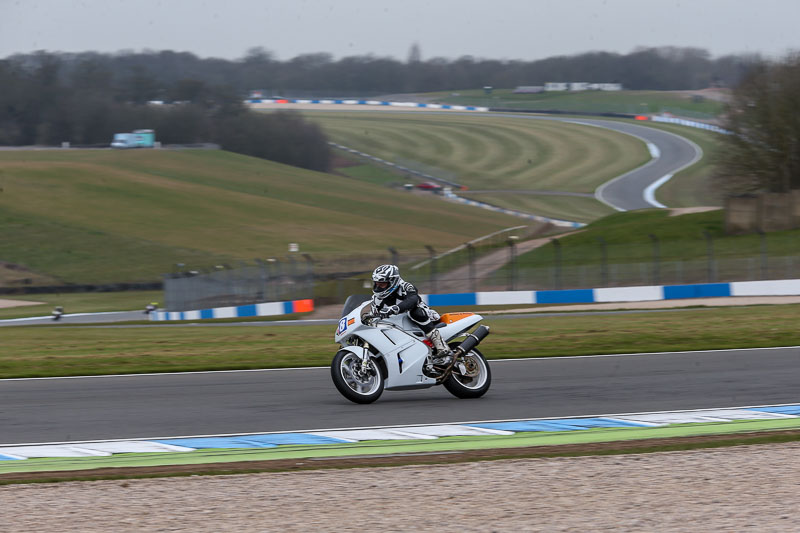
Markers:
388,277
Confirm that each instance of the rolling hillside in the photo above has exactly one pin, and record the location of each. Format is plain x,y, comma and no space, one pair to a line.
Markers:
93,216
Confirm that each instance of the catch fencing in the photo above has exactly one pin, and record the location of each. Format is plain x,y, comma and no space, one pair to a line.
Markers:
492,263
325,277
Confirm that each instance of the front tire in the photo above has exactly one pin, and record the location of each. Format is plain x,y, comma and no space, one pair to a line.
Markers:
470,387
354,384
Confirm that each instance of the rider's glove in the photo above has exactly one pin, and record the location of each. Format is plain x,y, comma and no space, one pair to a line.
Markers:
390,310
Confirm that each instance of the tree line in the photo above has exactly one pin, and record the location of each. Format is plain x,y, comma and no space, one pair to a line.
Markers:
85,98
47,99
169,75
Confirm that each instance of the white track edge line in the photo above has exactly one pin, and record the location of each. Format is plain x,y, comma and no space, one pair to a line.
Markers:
606,415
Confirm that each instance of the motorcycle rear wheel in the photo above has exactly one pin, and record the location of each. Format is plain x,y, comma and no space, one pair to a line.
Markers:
352,383
470,387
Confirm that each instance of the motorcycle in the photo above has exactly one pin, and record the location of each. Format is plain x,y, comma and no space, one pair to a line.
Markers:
393,353
57,313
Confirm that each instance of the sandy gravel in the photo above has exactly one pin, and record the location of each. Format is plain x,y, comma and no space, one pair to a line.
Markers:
745,488
16,303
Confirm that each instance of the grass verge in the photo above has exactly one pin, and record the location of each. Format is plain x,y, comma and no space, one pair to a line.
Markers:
103,216
632,102
81,302
36,351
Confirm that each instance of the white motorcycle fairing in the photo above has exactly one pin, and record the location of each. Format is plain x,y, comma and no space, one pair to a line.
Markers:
398,343
394,353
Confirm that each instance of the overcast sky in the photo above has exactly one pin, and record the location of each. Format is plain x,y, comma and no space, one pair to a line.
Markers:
496,29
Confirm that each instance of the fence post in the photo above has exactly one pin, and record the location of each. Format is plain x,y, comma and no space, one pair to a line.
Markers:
764,259
432,281
262,280
395,255
656,259
603,262
557,265
279,284
309,284
471,263
512,259
710,248
180,299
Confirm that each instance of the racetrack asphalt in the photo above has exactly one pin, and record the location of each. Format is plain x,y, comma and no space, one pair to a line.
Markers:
148,406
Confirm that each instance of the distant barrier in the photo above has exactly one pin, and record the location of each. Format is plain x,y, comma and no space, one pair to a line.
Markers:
690,123
241,311
520,214
785,287
414,105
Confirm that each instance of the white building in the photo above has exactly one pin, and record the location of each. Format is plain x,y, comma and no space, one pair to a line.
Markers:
528,89
555,86
581,86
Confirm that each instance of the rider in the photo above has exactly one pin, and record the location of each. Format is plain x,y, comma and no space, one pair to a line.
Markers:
393,295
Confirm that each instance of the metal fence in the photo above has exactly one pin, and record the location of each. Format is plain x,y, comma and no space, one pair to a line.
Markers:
653,263
489,264
677,272
272,280
327,277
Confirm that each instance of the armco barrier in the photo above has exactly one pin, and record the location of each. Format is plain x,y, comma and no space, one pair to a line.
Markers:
785,287
690,124
367,102
241,311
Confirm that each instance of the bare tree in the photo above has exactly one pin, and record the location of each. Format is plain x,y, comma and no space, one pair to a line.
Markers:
763,151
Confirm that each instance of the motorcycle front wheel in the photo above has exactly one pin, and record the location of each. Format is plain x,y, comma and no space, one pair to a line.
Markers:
476,383
355,383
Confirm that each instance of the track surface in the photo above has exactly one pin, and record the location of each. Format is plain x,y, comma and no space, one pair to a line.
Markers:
119,407
627,192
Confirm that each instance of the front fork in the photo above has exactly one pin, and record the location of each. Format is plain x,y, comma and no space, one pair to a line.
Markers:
365,360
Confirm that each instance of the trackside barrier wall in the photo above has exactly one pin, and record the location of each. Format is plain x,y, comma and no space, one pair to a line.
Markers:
690,124
786,287
367,102
241,311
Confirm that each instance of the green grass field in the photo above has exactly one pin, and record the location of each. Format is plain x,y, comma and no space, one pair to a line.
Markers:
81,302
65,350
484,152
97,216
629,102
496,154
680,238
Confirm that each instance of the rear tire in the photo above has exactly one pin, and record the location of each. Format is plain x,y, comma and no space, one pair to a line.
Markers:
470,387
352,383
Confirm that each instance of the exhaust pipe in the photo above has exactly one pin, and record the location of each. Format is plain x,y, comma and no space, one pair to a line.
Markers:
473,339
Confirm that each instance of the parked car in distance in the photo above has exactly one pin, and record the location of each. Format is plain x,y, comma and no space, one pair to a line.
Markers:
428,186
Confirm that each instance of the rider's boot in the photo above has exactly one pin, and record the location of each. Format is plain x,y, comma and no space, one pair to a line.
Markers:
442,354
